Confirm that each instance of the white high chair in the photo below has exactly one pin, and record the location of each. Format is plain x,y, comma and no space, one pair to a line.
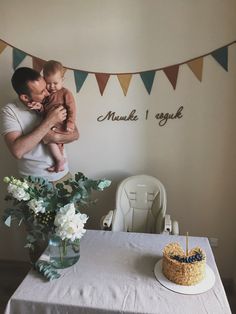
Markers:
140,207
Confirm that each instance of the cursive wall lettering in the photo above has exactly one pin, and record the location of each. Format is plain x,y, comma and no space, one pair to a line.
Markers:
163,117
111,115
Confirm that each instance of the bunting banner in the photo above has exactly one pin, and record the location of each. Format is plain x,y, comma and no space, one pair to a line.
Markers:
124,80
172,73
196,66
102,79
17,57
3,45
38,64
220,55
148,78
80,77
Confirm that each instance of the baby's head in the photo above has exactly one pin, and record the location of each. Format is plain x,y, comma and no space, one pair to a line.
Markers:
53,73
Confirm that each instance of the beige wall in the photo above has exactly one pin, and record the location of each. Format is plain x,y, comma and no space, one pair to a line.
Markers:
194,156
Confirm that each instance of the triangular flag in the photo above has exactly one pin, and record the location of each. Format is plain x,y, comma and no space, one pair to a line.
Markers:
172,74
148,78
18,57
2,46
124,80
196,66
221,56
80,77
102,79
38,64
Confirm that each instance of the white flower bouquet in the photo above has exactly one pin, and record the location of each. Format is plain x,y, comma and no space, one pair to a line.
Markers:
49,210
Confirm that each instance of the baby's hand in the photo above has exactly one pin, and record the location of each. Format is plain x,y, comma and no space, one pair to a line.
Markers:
69,130
70,127
33,105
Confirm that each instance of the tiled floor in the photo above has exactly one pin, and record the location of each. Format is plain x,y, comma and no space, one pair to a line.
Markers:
12,273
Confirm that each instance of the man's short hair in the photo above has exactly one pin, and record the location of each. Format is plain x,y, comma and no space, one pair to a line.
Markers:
20,80
51,67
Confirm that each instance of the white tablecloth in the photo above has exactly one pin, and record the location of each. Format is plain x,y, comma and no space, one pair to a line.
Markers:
115,275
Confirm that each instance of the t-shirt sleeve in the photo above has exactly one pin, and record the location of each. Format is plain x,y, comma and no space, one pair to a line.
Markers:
9,122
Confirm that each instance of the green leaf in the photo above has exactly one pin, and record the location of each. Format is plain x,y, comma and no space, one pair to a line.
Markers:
59,185
8,221
29,246
47,270
79,176
20,221
103,184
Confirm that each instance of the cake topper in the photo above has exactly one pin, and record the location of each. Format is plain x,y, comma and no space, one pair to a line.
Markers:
187,243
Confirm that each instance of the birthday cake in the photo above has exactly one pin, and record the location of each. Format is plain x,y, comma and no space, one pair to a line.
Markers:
181,268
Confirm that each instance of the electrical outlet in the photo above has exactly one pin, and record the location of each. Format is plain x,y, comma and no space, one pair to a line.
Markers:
214,242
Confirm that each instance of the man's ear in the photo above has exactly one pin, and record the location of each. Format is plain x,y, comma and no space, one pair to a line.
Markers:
25,98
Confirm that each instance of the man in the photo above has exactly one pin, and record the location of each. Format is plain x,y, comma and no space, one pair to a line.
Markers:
26,132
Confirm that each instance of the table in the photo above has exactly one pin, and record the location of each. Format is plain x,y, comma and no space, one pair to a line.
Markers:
115,275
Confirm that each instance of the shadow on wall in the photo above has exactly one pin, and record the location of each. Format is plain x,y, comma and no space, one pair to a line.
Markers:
15,238
8,163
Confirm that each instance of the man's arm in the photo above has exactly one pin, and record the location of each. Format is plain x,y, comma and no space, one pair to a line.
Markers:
60,137
19,144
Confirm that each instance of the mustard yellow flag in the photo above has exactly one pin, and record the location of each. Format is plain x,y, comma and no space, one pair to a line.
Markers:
124,80
2,46
196,67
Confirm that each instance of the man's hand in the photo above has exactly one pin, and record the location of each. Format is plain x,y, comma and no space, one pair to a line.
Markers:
56,115
61,137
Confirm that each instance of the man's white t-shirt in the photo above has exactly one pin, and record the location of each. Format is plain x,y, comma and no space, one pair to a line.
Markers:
16,116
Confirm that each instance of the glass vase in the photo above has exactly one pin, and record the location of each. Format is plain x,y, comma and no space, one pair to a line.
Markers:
63,253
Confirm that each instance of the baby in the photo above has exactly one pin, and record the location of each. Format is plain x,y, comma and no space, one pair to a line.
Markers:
53,73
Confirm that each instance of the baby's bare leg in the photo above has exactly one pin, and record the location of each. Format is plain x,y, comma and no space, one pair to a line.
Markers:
58,157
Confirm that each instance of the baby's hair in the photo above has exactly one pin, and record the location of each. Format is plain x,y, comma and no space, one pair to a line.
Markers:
52,66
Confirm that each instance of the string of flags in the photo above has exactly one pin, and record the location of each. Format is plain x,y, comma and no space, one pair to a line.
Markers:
196,66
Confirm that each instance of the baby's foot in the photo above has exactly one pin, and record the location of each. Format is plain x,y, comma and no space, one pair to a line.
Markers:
51,169
58,167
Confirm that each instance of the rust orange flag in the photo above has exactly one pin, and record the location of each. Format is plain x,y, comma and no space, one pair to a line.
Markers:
102,79
124,80
172,74
38,64
2,46
196,67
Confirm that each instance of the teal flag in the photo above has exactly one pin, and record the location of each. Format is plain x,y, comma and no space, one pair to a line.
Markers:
148,78
80,77
221,56
18,57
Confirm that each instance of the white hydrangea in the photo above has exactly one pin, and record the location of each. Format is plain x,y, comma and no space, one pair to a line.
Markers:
25,185
6,179
18,192
69,224
17,188
37,205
